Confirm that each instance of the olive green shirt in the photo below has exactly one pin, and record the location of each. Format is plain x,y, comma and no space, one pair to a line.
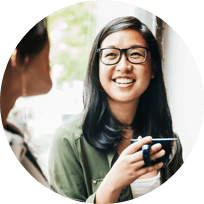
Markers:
76,168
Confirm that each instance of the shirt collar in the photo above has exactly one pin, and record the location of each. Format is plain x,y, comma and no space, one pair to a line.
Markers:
112,155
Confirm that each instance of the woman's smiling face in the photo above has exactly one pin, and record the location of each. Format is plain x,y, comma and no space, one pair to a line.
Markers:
125,82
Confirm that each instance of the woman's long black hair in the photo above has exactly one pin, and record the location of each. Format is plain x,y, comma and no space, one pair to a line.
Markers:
153,116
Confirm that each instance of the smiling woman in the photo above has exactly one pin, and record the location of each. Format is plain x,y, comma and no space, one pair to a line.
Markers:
125,81
147,88
91,157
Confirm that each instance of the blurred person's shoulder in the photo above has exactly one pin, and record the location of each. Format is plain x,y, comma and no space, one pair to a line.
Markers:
70,130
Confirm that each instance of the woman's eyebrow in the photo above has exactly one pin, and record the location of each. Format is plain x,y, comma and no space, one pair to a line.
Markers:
111,46
133,46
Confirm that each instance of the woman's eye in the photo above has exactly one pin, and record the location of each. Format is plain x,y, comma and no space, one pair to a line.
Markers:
110,55
135,54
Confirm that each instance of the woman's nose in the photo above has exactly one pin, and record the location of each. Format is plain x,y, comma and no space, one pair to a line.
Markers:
124,65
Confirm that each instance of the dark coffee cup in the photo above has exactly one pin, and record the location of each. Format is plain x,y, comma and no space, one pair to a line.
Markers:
168,144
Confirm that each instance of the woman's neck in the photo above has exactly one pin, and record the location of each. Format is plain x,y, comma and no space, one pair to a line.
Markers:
123,112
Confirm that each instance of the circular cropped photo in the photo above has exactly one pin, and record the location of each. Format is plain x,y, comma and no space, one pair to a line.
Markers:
96,103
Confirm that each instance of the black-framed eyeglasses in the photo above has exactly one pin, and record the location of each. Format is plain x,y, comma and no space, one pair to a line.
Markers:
111,56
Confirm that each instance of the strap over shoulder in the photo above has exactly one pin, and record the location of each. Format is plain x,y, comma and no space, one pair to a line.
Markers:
15,138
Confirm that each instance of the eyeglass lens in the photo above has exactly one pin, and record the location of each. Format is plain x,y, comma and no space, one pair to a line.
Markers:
111,56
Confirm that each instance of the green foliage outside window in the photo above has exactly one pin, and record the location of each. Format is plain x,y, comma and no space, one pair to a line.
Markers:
72,31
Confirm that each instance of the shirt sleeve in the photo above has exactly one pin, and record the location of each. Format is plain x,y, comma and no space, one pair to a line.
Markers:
66,174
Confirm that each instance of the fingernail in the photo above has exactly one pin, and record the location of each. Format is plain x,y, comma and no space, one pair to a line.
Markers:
148,138
163,152
158,145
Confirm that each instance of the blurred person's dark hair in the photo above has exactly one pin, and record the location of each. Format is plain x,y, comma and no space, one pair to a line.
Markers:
153,116
34,41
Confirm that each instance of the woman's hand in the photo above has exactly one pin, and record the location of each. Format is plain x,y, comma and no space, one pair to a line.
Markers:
127,169
129,165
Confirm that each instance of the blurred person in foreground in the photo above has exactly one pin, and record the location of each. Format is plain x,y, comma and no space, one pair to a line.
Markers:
27,74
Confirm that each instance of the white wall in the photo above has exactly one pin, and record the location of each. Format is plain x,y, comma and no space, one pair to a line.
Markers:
147,18
184,89
107,11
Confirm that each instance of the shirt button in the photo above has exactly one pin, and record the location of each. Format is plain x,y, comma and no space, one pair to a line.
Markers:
94,182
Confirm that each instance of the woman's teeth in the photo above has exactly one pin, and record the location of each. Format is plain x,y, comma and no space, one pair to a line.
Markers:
123,80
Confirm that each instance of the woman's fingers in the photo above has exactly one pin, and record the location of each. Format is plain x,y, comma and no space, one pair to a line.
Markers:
137,156
157,155
137,145
139,165
148,169
155,148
